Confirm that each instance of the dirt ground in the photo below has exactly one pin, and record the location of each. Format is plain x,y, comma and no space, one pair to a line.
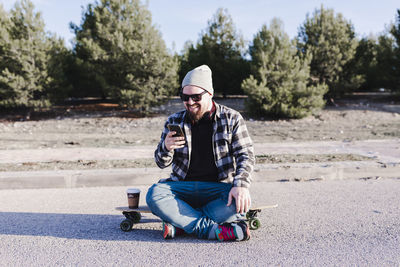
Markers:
351,120
107,126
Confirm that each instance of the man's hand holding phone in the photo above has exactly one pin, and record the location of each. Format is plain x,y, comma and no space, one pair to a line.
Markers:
175,138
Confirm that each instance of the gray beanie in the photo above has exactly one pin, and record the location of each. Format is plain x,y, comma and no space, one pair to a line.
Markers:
200,77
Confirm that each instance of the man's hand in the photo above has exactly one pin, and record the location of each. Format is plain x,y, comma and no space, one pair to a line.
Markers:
242,199
171,142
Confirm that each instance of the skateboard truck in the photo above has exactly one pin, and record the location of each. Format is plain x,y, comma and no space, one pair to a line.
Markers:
251,217
132,216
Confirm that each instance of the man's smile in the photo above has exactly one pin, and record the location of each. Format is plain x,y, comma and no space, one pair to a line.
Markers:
194,108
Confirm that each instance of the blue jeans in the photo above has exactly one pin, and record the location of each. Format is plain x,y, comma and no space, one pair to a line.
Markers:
195,207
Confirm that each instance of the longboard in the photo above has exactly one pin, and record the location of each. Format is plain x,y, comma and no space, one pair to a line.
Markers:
134,216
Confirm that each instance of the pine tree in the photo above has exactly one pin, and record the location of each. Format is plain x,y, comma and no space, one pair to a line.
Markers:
220,47
365,62
24,72
386,70
123,54
25,53
330,39
375,60
395,31
5,24
278,86
59,85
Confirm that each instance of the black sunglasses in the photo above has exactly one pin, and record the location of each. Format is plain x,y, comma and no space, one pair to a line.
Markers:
195,97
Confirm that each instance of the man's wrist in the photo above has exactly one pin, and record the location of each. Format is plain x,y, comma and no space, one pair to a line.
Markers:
241,183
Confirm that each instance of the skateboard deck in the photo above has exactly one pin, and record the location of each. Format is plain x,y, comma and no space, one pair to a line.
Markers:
134,216
142,209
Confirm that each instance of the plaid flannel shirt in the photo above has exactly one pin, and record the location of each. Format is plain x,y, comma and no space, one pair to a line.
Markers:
233,148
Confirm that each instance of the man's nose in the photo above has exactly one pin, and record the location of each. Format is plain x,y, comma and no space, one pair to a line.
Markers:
190,101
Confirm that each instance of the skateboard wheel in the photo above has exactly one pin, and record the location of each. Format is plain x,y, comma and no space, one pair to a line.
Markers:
126,225
254,224
136,217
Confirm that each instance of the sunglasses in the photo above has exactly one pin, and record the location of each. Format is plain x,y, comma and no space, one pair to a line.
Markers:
195,97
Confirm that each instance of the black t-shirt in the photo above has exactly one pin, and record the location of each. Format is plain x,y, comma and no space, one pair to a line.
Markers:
202,164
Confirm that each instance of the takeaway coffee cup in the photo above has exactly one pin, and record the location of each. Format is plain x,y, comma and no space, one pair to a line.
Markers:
133,197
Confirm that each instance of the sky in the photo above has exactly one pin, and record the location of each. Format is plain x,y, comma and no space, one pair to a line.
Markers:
183,20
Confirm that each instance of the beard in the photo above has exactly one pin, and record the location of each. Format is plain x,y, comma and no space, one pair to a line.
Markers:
198,114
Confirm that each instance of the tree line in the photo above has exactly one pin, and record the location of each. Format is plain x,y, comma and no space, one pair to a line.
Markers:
118,53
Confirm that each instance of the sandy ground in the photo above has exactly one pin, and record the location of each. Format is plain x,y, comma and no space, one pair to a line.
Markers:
113,128
349,121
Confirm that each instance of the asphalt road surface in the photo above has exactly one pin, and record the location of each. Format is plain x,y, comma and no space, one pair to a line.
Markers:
341,222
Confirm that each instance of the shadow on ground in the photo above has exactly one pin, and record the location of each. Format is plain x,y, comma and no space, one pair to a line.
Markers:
82,226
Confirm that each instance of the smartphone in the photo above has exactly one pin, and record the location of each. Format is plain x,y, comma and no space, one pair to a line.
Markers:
176,128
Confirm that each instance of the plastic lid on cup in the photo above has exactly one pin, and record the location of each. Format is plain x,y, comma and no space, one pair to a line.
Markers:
133,190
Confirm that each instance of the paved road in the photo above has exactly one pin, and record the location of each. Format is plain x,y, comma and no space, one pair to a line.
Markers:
338,222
